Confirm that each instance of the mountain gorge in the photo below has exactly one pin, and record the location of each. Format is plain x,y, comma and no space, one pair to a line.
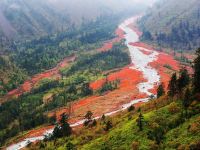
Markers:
99,74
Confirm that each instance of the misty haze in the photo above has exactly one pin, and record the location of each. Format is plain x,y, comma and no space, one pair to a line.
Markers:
100,74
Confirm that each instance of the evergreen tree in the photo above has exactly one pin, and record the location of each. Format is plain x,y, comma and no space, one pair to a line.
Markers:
156,133
197,72
160,90
186,100
57,131
139,121
172,87
183,80
103,118
88,115
86,90
108,126
88,118
131,108
65,126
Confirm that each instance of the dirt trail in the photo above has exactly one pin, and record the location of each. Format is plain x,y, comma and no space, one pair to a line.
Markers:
29,84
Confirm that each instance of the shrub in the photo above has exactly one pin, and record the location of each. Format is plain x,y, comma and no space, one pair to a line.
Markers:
194,146
135,145
131,108
108,126
173,108
195,127
153,146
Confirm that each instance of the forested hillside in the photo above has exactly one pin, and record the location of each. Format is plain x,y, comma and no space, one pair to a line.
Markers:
173,24
22,19
21,60
10,75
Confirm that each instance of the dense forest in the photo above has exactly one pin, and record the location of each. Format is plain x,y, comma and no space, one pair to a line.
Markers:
173,24
44,53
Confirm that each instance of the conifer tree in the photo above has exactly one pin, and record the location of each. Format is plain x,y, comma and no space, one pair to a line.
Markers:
62,128
183,80
160,90
172,87
65,126
186,100
108,125
140,120
197,72
88,118
86,90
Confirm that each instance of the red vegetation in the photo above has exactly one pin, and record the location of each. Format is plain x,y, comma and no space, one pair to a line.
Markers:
109,44
29,84
161,65
112,100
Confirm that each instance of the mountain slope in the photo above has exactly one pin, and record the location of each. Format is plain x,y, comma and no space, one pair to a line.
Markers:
176,131
23,18
10,75
27,19
173,24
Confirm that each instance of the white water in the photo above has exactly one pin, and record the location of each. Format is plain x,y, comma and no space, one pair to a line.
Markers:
141,63
140,60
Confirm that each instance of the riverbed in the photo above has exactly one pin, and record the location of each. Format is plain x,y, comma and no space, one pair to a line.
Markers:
140,61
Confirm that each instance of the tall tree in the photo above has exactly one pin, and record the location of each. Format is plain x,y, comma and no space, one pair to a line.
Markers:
160,90
88,118
108,125
172,87
197,72
183,80
186,100
57,131
86,90
140,121
65,126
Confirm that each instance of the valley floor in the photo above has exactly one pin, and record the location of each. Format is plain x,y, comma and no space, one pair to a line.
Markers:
138,81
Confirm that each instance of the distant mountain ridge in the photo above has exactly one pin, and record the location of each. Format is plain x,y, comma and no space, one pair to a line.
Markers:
30,18
173,24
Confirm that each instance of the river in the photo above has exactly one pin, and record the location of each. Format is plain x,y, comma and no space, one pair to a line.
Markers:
140,62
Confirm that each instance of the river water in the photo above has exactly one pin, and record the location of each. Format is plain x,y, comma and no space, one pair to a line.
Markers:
140,62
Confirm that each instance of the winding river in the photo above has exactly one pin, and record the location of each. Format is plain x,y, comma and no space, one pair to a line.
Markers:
140,62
